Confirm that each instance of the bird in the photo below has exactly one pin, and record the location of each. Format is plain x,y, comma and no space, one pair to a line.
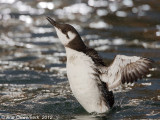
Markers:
91,81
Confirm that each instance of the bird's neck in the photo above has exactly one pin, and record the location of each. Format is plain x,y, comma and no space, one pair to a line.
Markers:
70,51
77,44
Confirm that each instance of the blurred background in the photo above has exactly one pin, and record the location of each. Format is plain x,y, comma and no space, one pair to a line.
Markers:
33,77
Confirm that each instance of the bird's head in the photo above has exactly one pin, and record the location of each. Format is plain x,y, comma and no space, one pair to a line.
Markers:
65,32
68,35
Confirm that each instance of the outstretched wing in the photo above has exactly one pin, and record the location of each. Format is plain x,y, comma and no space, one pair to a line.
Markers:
125,69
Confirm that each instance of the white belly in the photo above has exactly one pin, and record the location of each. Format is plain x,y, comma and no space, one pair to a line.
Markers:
83,83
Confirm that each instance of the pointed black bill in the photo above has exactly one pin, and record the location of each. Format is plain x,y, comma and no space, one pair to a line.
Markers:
52,21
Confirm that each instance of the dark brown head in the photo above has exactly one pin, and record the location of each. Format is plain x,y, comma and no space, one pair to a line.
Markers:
68,35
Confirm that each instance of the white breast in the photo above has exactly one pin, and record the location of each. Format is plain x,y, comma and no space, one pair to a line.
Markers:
83,83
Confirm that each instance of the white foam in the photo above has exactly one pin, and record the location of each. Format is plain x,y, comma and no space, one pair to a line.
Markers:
121,14
98,25
48,5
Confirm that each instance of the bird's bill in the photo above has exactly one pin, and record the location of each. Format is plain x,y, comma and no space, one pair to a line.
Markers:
54,23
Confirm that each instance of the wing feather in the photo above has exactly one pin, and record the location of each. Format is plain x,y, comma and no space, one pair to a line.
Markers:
124,76
126,69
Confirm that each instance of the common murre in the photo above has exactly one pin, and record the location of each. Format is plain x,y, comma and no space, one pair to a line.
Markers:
90,80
